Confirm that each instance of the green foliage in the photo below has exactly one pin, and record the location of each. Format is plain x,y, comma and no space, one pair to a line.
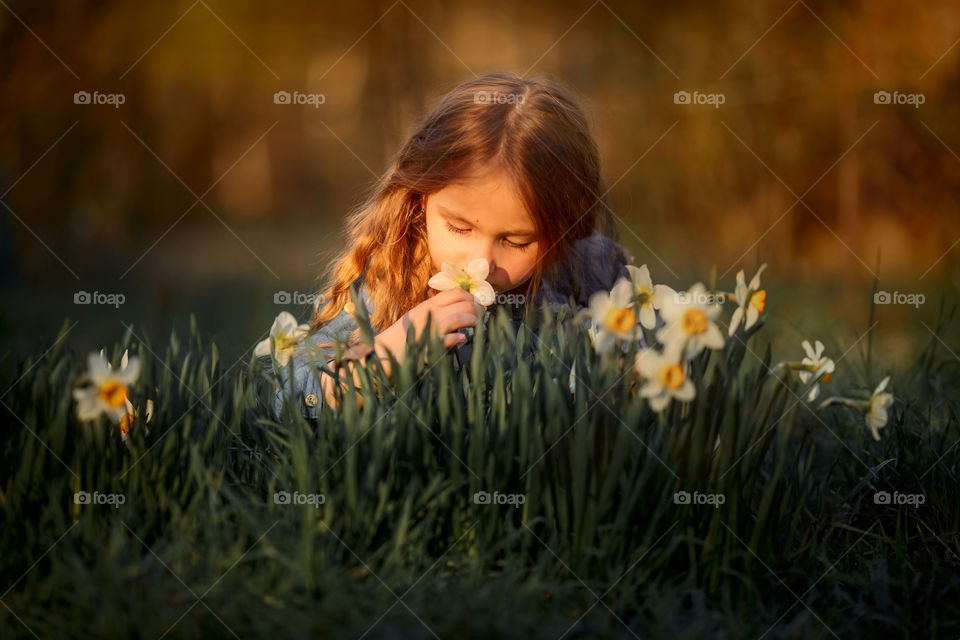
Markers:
200,545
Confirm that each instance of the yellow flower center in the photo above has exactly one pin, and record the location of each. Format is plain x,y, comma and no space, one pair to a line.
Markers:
284,341
758,300
671,376
694,321
114,393
620,319
644,295
464,282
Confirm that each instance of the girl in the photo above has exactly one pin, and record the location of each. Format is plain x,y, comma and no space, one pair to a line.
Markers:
504,169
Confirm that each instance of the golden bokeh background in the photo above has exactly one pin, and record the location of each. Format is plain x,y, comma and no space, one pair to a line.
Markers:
200,193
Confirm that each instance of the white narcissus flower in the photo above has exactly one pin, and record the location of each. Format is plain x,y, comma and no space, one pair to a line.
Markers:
473,280
612,315
690,318
750,301
108,390
876,417
665,378
815,365
644,291
285,335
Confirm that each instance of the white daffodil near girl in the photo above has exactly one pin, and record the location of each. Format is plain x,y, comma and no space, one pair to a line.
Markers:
682,323
285,335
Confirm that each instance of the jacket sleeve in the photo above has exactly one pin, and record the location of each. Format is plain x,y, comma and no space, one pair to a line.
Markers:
299,380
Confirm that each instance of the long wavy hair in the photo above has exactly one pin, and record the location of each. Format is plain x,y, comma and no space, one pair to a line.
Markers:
531,127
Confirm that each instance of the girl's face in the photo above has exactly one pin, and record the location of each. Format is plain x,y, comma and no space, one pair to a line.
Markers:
483,216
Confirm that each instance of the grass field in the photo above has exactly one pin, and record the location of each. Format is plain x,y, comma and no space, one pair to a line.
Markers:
746,513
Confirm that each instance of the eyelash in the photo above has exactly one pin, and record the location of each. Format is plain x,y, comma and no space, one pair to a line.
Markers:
512,245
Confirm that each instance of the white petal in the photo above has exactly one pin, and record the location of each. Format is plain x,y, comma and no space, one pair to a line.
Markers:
659,403
622,292
483,293
755,283
808,350
752,316
686,392
648,317
599,303
283,324
881,386
645,363
441,282
651,389
130,372
712,337
478,269
453,271
742,294
262,348
814,392
89,405
735,320
663,296
283,356
741,282
98,367
124,360
640,276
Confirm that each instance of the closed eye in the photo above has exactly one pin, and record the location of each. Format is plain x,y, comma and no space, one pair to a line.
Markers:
457,229
517,245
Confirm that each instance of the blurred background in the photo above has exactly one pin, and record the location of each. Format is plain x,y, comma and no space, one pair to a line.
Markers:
147,171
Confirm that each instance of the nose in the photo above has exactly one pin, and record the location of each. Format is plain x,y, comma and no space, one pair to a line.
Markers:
485,250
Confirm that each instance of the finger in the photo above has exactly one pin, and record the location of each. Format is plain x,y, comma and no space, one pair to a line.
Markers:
453,339
452,296
456,321
464,306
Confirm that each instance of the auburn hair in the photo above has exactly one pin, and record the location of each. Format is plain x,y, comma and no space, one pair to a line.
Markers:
530,127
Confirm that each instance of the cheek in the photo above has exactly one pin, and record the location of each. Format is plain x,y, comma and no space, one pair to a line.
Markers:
438,245
518,266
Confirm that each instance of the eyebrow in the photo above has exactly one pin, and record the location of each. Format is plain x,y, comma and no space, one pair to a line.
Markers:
461,218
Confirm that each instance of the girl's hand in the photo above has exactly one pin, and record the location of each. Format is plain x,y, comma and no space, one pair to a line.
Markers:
450,310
